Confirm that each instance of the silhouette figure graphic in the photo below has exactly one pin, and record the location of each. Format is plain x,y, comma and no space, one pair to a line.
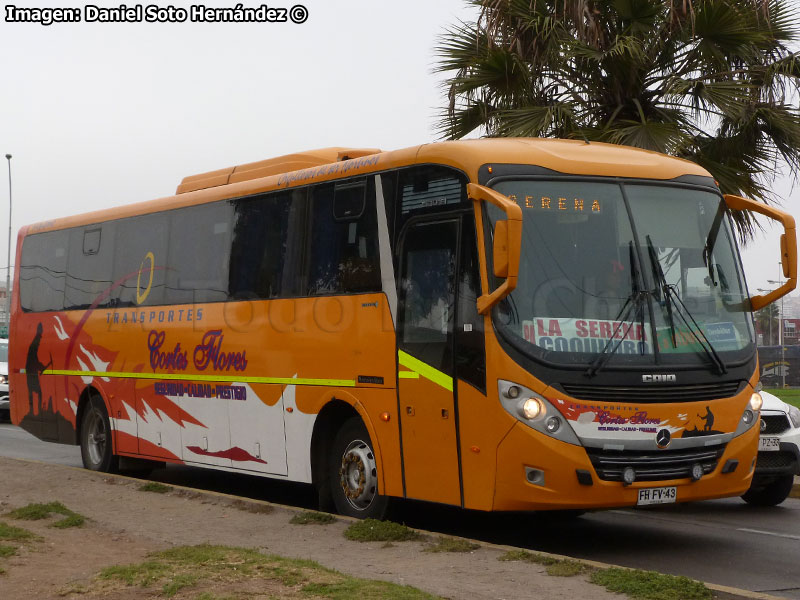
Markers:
34,368
708,418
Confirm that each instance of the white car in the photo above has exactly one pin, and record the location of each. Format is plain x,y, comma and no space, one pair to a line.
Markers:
5,406
778,453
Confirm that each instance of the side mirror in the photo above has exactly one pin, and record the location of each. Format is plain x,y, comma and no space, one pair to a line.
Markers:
500,249
507,244
788,246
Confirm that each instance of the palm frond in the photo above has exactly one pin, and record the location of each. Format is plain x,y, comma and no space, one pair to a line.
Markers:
713,81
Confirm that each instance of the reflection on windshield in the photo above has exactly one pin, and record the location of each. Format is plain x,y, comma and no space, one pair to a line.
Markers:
3,352
589,286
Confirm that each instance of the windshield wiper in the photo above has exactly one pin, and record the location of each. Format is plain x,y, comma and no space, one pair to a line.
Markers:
670,295
634,301
711,241
661,289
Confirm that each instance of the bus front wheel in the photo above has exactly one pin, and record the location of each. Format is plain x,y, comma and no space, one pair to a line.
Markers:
771,494
96,448
353,473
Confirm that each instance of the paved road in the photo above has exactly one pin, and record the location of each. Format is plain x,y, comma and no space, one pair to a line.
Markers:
723,541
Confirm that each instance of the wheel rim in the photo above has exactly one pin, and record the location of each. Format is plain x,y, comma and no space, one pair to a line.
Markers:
358,475
96,438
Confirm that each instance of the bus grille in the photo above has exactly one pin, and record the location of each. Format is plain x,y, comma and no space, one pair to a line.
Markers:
774,424
775,460
653,466
668,393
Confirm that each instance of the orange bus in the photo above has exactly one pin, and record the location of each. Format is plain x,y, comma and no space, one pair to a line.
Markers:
498,324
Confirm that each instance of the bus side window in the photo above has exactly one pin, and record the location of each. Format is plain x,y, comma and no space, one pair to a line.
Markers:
140,260
343,251
89,267
429,190
199,254
259,251
43,271
470,347
427,292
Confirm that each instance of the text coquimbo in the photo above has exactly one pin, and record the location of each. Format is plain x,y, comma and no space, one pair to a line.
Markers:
154,13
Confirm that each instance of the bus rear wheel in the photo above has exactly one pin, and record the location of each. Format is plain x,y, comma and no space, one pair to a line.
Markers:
353,473
96,449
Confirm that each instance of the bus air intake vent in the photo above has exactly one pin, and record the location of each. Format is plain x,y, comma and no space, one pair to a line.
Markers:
660,465
774,424
701,392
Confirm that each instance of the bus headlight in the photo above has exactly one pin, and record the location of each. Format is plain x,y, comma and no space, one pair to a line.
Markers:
756,401
535,411
749,416
531,408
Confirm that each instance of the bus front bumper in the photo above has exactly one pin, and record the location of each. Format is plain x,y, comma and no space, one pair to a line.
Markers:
535,472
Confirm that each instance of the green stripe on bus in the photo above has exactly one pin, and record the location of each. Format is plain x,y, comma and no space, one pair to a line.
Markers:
214,378
408,375
427,371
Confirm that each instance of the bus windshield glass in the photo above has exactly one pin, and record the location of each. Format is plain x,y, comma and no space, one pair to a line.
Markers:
625,273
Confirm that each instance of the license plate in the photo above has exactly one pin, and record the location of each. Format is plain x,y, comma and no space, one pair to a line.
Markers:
769,444
662,495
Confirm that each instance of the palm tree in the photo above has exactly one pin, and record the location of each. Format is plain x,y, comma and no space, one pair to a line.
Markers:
713,81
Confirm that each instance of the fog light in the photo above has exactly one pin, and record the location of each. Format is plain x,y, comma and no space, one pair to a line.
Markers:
697,471
512,392
628,475
530,408
553,424
756,401
748,416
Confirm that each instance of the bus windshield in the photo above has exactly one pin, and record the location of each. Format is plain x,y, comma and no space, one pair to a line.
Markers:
625,273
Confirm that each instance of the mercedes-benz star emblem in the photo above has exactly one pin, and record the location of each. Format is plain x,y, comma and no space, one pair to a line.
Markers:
663,438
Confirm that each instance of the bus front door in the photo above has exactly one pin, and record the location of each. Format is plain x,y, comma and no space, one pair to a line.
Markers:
425,360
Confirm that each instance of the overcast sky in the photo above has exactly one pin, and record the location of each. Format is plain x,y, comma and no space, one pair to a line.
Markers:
97,114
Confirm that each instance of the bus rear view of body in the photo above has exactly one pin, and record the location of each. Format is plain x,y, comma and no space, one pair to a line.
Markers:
515,324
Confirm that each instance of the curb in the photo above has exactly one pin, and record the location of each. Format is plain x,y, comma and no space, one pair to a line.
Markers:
730,592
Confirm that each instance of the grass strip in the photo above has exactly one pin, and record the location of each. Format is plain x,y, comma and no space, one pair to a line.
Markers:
252,507
9,532
372,530
311,517
444,544
557,567
6,551
155,487
229,572
650,585
36,512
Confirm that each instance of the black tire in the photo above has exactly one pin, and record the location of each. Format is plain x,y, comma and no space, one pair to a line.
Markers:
770,494
97,452
353,473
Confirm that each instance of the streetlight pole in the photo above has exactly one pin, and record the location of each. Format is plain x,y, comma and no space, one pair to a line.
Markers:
780,325
769,316
8,271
